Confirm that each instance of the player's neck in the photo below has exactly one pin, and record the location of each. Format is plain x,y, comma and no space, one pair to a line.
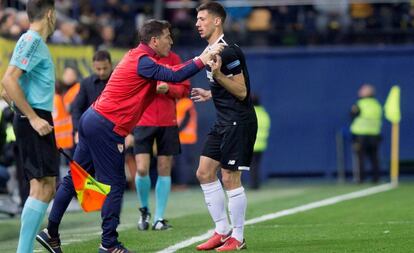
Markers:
40,28
215,36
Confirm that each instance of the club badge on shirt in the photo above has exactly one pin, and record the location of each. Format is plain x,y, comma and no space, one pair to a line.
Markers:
120,147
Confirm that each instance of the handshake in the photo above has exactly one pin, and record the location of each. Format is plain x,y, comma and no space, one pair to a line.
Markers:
210,53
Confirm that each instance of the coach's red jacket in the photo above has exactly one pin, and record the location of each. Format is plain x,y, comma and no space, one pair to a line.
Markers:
161,112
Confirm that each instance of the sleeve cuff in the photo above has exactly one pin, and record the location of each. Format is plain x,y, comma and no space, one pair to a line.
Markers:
199,63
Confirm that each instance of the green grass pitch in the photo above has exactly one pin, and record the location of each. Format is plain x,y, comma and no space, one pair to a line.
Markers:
383,222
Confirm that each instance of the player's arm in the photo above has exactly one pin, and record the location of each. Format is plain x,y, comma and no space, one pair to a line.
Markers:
11,85
200,95
234,84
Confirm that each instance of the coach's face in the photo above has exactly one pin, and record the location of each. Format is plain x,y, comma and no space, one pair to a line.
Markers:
206,24
163,43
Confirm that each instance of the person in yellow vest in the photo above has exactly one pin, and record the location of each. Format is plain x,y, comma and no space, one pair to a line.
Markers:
9,153
187,127
366,132
263,128
66,92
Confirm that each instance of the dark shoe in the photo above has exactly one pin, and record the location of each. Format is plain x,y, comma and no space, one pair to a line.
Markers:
143,222
117,249
51,244
161,225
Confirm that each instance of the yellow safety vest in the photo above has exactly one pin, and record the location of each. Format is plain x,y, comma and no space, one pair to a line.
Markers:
263,127
369,120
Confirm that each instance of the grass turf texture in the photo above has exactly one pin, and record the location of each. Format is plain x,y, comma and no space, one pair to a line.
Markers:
383,222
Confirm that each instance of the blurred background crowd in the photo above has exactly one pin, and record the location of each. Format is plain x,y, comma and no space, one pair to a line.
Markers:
113,23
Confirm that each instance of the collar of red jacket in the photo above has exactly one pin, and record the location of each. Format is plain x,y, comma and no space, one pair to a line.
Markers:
148,49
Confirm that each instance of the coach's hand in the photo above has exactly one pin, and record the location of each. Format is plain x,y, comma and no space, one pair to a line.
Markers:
129,141
211,53
162,88
200,95
41,126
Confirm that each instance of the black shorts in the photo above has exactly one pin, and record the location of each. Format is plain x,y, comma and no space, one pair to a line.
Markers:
231,145
168,142
38,154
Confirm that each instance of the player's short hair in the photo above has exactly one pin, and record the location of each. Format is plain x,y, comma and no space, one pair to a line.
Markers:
215,9
152,28
102,55
37,9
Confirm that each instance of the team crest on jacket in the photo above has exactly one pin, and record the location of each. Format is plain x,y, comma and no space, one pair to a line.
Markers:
120,148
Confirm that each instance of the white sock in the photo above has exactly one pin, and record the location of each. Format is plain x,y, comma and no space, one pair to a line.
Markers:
237,211
215,201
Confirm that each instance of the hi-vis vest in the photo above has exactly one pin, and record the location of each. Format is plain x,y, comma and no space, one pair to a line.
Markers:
263,127
62,119
10,136
368,122
188,135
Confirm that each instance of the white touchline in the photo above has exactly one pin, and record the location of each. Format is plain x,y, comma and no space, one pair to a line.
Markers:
324,202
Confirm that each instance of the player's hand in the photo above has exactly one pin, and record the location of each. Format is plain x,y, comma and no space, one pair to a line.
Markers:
211,53
215,65
162,88
200,95
129,141
41,126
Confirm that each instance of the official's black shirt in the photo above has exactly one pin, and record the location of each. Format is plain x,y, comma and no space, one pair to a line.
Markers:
231,110
90,89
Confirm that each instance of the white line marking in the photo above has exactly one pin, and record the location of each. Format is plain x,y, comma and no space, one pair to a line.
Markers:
313,205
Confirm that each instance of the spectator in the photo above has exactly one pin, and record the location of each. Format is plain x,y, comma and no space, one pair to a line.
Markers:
263,127
65,94
108,37
66,34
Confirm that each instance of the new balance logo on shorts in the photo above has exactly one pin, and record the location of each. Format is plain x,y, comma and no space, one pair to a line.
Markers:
231,162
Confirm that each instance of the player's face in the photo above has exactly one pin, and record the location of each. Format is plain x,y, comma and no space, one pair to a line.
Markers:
205,24
102,69
163,43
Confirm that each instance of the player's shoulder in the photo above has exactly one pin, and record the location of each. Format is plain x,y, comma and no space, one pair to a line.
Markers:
232,50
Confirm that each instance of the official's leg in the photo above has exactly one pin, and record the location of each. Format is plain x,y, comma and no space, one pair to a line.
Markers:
39,158
373,157
41,193
362,152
